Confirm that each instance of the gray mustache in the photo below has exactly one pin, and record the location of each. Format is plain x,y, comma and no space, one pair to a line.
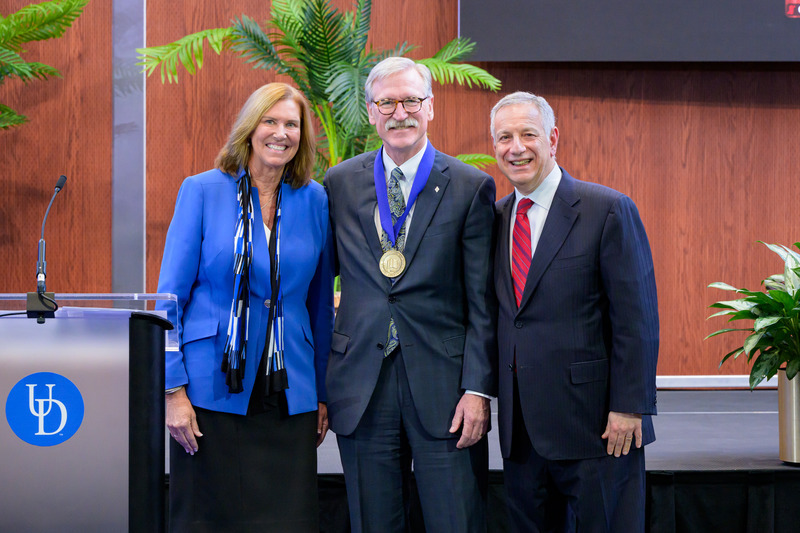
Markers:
409,122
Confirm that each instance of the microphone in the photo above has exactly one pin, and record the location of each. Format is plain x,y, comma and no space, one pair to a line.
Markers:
41,264
37,307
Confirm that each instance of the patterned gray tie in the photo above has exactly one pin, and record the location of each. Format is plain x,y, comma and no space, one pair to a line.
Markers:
397,205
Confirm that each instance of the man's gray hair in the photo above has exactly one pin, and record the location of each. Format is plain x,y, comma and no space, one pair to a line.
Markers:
522,97
395,65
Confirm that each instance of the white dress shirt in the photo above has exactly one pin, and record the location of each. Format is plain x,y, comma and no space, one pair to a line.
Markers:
542,198
409,169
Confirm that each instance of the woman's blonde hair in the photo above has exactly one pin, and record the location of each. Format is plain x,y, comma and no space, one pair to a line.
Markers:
236,152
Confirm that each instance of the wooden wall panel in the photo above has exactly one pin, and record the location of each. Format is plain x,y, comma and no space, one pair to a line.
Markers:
706,151
70,132
188,122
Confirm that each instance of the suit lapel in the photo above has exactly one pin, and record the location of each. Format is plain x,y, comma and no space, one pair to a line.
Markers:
501,258
425,206
557,226
367,200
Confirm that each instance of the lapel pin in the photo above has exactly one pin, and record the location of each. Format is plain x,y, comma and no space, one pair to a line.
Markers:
436,189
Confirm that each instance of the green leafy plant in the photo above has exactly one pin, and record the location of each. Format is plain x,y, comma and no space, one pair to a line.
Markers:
774,338
36,22
325,53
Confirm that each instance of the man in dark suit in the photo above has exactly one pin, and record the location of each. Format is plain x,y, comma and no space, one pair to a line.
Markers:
413,356
578,336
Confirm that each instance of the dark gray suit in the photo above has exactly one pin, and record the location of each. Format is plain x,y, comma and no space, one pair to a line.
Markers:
443,303
583,341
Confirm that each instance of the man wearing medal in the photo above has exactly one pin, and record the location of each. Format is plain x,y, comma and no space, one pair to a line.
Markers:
413,356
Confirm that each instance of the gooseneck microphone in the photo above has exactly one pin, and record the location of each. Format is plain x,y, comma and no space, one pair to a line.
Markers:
41,264
42,304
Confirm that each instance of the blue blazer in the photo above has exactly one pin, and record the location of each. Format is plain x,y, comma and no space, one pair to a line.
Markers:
198,267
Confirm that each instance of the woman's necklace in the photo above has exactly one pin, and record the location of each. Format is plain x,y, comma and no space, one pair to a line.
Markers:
267,201
267,195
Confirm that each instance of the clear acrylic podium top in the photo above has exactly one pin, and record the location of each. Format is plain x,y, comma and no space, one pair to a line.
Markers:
76,305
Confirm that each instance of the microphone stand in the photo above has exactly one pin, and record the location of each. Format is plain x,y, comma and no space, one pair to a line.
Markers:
42,304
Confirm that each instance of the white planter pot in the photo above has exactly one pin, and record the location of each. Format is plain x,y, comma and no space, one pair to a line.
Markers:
789,417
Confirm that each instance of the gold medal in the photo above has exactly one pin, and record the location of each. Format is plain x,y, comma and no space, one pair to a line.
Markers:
392,263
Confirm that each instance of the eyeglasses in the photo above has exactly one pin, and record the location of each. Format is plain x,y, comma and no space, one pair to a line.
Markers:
411,104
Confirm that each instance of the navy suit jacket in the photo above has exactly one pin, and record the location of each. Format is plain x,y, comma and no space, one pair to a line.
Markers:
198,268
585,336
443,303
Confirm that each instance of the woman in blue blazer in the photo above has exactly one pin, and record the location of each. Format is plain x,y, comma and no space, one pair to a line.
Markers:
249,255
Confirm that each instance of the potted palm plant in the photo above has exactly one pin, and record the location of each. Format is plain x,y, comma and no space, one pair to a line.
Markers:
325,53
772,342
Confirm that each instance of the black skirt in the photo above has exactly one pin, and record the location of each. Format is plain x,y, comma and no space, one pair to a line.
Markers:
251,473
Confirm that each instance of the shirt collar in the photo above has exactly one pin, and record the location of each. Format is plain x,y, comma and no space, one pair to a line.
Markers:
543,194
409,168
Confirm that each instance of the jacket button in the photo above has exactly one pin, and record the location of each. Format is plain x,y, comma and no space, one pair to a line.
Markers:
392,299
267,303
511,366
380,346
518,325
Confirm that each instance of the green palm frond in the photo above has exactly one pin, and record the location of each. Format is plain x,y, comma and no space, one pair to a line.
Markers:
361,24
371,142
42,71
13,66
39,22
9,117
321,163
285,34
287,27
346,91
187,50
325,53
294,9
31,70
398,51
480,161
324,45
35,22
325,33
456,50
255,46
444,68
461,73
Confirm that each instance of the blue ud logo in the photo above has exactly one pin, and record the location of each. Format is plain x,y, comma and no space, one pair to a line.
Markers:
44,409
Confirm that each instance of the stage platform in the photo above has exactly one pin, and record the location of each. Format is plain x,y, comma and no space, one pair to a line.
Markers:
714,467
729,430
725,430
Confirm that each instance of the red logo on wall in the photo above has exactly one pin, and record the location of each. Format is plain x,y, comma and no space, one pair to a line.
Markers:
792,9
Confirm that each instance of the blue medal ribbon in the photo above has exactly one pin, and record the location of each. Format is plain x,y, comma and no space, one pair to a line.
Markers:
423,172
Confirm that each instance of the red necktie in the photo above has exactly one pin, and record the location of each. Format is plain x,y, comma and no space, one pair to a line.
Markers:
521,248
